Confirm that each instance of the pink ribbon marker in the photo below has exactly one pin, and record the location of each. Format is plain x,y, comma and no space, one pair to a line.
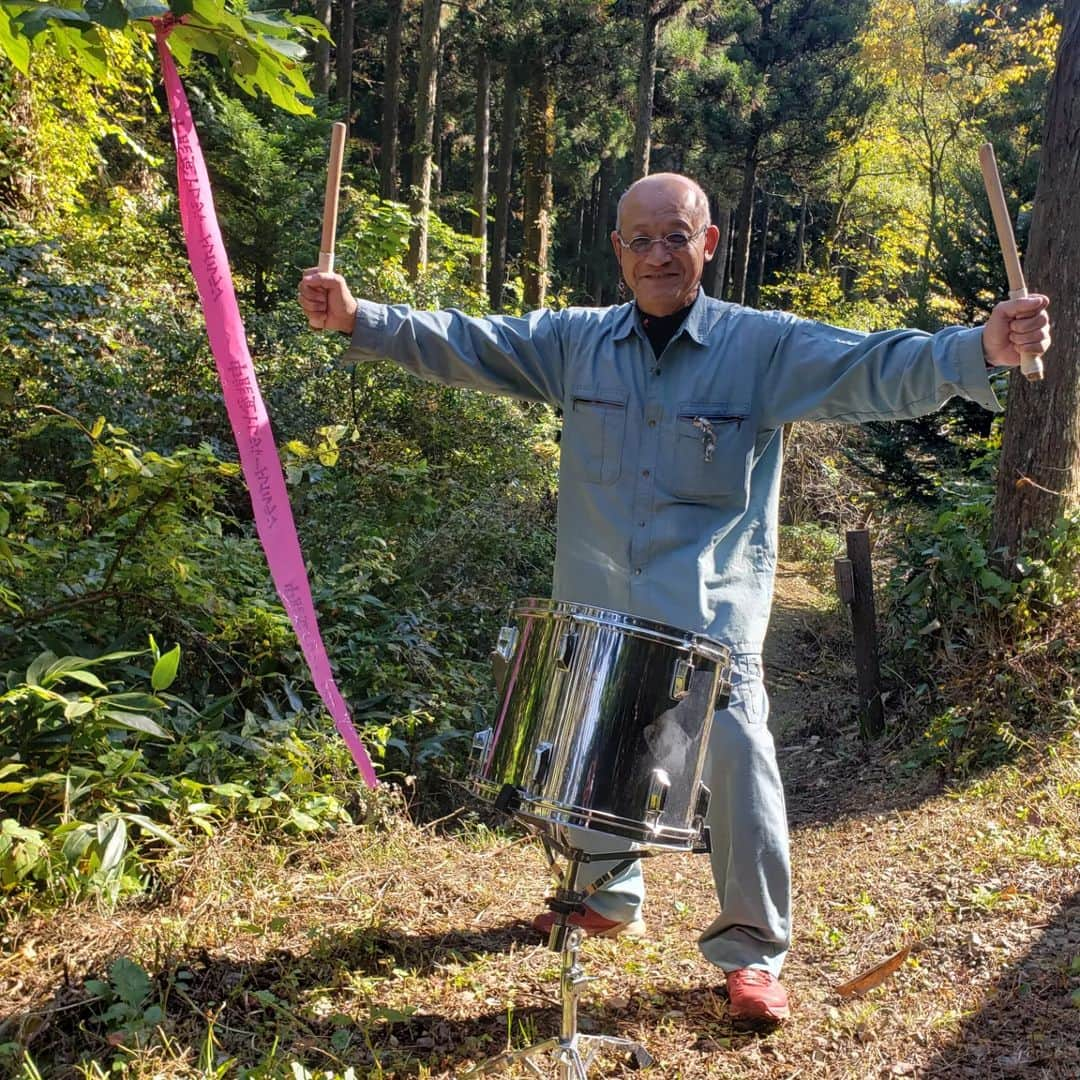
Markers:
247,413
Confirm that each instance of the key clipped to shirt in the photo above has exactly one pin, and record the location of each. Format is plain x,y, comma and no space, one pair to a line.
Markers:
708,436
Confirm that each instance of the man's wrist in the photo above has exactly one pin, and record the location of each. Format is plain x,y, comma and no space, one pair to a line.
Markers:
348,322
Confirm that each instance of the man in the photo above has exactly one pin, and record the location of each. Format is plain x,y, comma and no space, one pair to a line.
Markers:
669,482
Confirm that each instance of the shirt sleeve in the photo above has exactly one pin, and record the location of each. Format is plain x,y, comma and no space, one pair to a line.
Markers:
821,372
518,356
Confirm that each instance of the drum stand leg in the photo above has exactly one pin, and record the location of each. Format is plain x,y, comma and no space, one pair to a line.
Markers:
571,1052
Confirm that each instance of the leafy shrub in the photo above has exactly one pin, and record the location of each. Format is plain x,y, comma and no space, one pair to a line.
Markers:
989,654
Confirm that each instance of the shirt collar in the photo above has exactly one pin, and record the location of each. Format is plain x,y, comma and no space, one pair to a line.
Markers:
699,320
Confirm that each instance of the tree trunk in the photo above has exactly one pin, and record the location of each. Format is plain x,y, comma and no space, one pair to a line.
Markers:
607,285
439,165
740,256
388,142
345,57
646,90
1039,474
503,175
763,249
320,77
423,149
539,149
480,167
716,268
800,238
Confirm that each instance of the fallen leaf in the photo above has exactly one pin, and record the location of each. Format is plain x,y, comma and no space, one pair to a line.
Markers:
875,976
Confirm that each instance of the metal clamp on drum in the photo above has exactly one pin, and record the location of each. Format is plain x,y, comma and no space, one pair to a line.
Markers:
701,810
481,741
541,764
507,642
680,679
565,652
656,800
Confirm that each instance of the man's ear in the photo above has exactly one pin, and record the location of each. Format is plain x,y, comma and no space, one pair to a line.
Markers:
712,239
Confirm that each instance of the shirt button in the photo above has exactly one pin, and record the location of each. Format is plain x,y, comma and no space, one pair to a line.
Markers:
637,572
641,524
645,472
652,423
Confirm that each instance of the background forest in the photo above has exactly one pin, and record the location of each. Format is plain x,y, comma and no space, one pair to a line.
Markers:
154,690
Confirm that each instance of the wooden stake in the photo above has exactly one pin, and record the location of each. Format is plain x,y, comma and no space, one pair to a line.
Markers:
1030,365
855,583
333,190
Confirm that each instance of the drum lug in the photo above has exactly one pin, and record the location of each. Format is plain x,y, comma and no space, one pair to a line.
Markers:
703,846
567,647
680,679
656,800
507,642
541,763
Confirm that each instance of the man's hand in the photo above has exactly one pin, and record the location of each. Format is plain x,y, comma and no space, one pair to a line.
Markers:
326,301
1016,326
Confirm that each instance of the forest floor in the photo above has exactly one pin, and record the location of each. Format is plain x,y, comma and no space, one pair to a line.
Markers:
405,950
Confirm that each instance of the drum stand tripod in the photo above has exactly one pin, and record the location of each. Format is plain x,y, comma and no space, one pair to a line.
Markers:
571,1051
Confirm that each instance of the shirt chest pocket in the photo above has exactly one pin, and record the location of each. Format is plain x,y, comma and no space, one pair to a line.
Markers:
594,433
709,454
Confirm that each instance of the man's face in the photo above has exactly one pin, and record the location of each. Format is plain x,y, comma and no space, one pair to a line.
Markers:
663,281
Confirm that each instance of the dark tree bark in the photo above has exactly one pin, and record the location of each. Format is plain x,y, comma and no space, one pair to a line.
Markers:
605,267
646,92
763,249
800,237
347,33
480,167
423,145
716,268
740,255
320,77
503,176
654,13
539,150
388,141
1039,474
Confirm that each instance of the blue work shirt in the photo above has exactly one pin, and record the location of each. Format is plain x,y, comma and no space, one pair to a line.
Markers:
670,466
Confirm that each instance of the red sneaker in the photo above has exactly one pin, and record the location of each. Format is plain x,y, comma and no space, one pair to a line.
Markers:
756,996
594,924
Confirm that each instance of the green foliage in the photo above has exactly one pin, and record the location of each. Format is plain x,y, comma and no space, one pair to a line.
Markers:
124,1004
259,50
961,622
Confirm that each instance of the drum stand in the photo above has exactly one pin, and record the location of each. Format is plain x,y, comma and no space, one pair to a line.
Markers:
571,1051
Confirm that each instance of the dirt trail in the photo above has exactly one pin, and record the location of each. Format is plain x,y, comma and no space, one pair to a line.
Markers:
407,952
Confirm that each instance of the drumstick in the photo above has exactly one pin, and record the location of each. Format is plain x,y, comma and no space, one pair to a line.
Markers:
333,189
1030,365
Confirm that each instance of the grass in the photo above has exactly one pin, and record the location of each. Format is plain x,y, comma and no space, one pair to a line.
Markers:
404,950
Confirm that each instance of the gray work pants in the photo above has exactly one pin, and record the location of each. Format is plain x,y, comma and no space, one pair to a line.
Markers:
748,823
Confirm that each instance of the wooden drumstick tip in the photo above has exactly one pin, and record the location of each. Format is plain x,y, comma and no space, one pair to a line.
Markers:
333,191
1030,366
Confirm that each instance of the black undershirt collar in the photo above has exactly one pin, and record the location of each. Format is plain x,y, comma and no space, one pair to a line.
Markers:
660,329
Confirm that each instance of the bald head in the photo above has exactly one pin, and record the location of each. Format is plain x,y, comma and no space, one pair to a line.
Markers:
666,184
663,276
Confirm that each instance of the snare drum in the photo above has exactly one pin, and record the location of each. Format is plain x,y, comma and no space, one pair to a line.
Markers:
603,723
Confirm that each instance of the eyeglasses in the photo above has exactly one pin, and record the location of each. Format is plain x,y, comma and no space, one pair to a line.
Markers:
674,241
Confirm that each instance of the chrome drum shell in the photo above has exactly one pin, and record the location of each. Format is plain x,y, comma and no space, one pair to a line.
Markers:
603,723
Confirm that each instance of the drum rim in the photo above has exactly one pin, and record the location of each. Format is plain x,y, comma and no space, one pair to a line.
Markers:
620,620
